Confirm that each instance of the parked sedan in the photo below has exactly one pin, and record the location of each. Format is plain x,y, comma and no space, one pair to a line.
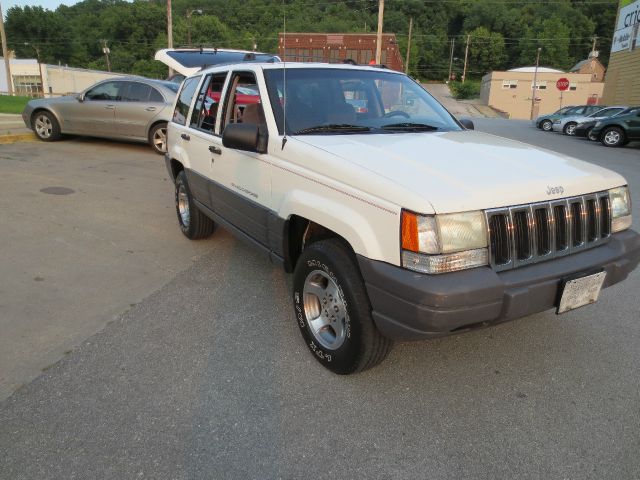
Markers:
619,130
545,122
584,127
128,108
567,125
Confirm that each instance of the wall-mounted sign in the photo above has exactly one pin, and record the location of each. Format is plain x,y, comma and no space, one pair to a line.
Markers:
627,33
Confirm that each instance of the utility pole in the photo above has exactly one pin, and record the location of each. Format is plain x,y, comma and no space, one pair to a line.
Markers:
535,79
453,42
169,31
406,66
379,41
5,54
466,54
106,52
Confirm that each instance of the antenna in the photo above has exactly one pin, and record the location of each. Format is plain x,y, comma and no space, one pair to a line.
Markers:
284,75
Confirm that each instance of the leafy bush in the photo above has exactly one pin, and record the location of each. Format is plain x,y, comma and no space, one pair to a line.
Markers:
12,104
463,91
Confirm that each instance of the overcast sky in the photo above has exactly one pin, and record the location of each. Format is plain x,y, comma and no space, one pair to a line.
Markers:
48,4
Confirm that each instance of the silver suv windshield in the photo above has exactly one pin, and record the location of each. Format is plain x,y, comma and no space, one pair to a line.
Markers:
334,101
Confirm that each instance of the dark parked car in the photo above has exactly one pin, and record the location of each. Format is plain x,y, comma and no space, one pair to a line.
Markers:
127,108
545,122
583,128
619,130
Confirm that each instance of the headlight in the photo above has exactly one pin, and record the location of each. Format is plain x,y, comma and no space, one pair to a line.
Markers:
444,243
598,124
620,208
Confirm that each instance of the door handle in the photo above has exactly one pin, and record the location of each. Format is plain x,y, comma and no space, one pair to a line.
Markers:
184,136
214,149
150,109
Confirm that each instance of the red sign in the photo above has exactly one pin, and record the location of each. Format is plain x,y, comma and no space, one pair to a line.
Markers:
562,84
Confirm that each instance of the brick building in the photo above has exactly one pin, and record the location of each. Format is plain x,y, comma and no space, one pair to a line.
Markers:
337,47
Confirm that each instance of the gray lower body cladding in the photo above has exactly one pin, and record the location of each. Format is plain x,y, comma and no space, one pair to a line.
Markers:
410,306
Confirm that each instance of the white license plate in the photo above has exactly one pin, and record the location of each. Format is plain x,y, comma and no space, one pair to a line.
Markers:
581,291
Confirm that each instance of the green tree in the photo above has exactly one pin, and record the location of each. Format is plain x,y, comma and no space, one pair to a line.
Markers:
486,51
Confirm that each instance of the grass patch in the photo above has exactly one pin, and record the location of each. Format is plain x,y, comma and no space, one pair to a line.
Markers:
12,104
466,90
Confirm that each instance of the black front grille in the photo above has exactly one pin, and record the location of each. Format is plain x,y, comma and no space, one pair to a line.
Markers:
526,234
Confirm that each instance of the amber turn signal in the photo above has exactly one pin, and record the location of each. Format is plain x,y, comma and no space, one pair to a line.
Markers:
409,231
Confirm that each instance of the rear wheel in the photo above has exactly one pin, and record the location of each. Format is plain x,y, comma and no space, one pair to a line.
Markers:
158,138
193,223
333,311
46,127
546,125
569,129
613,137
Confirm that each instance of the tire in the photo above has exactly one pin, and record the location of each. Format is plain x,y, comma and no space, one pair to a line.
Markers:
193,223
570,129
158,138
546,125
613,137
45,126
343,338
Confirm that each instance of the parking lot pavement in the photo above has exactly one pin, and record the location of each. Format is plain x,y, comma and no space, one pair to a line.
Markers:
208,378
88,230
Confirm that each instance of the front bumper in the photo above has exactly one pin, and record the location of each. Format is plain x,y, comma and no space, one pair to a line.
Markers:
411,306
582,130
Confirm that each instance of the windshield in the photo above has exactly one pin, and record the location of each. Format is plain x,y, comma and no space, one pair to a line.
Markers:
563,110
605,112
197,58
343,101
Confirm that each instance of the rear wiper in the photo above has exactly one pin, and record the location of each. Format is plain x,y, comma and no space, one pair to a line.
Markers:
410,126
334,128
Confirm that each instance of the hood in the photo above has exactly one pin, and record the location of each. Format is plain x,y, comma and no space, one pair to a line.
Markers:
462,170
41,102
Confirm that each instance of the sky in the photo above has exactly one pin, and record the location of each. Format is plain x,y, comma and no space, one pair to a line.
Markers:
48,4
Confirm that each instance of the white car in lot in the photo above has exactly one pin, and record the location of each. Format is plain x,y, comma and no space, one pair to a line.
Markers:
567,125
396,221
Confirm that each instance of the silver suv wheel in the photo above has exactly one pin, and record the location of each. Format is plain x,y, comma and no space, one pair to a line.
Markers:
325,309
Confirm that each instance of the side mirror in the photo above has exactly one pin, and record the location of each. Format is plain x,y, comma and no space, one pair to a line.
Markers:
466,123
242,136
80,97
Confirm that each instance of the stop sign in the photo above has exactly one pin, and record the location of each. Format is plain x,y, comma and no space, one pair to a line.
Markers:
562,84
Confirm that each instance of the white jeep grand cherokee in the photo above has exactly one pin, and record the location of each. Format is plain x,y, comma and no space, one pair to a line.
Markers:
396,221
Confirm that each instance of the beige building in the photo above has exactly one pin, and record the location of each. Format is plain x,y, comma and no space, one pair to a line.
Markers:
622,82
511,91
34,79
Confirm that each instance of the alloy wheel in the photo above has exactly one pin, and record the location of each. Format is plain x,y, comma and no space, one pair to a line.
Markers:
325,309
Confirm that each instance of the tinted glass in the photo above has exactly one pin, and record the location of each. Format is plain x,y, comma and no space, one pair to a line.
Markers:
606,112
195,58
136,92
373,101
173,86
184,100
105,91
155,96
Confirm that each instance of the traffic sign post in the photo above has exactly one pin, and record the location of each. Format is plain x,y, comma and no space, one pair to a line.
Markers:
562,84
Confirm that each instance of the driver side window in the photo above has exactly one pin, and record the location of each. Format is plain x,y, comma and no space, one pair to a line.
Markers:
108,91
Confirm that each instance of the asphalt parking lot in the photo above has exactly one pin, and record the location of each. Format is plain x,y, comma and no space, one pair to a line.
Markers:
184,360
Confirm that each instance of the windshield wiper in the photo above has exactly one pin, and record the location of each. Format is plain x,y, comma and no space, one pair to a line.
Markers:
334,128
410,126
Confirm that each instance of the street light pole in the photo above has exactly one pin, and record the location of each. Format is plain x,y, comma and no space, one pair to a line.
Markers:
453,42
5,54
535,79
466,54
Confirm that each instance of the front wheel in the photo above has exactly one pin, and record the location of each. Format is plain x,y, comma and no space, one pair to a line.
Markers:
46,127
193,223
546,125
158,138
613,137
569,129
333,311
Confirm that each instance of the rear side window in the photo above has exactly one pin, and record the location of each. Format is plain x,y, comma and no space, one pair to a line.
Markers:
136,92
156,96
184,100
205,110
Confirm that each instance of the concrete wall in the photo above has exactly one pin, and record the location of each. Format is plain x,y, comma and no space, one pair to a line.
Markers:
57,80
516,101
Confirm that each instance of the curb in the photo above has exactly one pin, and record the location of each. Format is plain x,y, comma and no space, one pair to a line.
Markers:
18,137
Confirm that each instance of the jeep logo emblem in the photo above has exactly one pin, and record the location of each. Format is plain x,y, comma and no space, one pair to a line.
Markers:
555,190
